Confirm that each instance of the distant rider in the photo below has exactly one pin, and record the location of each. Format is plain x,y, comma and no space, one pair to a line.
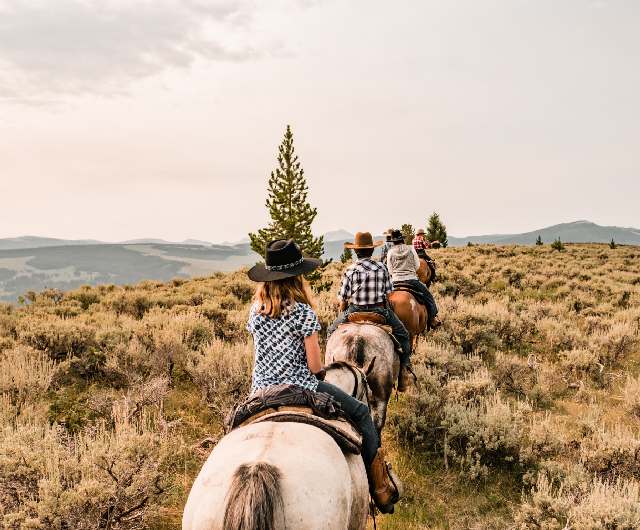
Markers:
403,264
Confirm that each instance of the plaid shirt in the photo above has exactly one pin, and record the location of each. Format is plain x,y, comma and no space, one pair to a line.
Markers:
420,243
366,282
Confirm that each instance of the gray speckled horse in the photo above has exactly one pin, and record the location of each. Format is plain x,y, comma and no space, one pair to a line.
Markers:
372,349
282,476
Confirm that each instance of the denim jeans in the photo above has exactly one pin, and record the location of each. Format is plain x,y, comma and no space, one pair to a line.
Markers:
399,331
427,297
358,412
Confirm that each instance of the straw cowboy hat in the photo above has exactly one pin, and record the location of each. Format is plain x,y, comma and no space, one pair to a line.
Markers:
283,259
363,240
420,232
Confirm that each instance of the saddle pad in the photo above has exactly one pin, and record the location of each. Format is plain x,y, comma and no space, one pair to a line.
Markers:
345,435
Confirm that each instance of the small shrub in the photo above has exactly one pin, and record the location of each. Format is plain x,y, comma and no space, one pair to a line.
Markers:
592,506
222,372
631,396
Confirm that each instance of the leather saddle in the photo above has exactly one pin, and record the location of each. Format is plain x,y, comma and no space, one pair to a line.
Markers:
374,319
342,431
368,317
290,403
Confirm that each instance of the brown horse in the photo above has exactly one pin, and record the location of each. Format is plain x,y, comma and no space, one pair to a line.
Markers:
413,314
424,272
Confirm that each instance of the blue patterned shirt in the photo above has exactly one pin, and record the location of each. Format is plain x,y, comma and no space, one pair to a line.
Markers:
280,356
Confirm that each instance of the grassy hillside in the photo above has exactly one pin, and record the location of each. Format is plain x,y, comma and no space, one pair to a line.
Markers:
527,412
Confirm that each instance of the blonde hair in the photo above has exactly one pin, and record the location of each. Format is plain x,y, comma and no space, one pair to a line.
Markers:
272,297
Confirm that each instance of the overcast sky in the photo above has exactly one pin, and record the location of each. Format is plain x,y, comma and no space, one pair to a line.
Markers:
124,119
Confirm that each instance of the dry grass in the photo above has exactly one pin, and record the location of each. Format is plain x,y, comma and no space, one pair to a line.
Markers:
527,414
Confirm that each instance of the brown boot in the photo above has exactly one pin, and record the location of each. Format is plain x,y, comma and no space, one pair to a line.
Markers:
383,484
405,378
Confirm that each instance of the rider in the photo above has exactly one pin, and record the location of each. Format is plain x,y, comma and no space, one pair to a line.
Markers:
403,264
285,333
386,245
365,286
421,244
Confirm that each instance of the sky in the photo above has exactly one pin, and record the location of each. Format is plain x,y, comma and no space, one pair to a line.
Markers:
127,119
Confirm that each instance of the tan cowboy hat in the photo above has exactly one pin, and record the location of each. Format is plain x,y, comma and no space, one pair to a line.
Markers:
420,232
363,240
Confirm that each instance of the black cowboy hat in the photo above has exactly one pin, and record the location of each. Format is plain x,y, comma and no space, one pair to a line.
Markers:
396,236
283,259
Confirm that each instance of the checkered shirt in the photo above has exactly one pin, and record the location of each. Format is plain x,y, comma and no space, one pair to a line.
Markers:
366,282
420,243
280,356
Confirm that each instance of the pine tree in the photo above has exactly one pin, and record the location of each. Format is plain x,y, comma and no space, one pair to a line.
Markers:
436,231
557,245
408,233
539,240
291,214
346,255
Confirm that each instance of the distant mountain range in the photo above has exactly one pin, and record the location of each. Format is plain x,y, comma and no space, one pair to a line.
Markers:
33,263
575,232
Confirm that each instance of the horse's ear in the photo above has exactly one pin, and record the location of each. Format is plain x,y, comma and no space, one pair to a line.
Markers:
369,367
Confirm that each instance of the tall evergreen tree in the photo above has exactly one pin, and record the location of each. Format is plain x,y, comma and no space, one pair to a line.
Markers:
408,233
539,240
291,214
436,230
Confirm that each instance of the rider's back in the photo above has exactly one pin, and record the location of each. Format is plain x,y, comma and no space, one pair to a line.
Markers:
402,262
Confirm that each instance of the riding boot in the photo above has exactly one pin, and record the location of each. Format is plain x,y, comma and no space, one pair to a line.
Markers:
384,486
406,377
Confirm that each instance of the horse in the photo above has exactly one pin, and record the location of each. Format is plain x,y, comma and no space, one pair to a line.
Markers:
424,272
371,348
412,313
282,476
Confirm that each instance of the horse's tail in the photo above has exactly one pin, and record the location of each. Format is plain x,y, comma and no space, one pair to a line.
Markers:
254,498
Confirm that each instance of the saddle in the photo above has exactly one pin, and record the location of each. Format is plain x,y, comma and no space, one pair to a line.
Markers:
290,403
374,319
407,287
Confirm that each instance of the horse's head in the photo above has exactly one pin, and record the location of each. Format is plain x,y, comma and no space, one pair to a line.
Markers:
350,378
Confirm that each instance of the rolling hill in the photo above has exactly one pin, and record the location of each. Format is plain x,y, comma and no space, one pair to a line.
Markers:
33,263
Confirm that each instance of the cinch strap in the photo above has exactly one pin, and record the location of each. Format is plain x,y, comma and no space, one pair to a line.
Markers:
284,267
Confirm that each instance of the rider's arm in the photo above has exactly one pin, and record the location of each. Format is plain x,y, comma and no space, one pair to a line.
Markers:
312,348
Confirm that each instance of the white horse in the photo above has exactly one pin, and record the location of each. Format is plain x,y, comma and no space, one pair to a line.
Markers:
371,348
282,476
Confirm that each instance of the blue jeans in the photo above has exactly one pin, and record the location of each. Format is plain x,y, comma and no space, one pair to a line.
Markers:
427,298
357,412
399,331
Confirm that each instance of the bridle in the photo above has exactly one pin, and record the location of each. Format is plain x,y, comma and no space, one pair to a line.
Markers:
361,388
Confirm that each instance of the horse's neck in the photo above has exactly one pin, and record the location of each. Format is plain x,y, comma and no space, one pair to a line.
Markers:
341,377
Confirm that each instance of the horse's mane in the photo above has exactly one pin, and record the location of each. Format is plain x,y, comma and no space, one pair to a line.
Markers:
336,365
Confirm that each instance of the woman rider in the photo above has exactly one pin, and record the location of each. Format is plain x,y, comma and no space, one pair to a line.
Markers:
287,351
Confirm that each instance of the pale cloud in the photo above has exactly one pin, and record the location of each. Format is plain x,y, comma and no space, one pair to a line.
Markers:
101,46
